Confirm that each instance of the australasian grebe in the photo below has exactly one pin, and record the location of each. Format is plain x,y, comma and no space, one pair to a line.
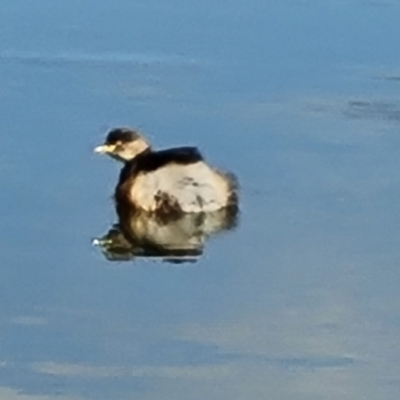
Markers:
176,180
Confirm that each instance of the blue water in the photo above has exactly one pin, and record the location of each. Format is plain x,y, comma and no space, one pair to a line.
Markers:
301,100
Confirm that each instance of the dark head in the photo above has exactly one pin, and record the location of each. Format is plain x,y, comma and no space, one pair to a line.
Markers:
124,144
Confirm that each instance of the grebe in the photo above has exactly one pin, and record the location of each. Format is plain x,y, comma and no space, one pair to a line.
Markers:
167,182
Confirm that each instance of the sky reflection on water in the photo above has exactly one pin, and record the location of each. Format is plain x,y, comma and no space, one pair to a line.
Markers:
300,99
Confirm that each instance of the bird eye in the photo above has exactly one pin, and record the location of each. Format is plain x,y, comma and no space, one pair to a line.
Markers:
118,145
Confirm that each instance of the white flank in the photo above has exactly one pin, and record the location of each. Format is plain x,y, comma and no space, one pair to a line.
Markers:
196,187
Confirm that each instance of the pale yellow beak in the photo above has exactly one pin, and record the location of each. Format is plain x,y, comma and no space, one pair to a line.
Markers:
104,149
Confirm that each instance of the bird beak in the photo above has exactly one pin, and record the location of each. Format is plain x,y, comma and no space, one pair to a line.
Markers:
104,149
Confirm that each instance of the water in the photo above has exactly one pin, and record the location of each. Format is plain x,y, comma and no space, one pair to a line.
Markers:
300,99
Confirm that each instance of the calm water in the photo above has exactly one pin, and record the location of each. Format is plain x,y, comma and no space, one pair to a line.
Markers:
300,99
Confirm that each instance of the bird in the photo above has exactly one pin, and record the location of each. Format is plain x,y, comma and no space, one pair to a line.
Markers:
167,182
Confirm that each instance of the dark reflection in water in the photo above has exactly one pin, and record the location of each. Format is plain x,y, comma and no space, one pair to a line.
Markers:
363,109
174,240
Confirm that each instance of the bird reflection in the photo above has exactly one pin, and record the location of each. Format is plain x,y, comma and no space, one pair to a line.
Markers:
173,239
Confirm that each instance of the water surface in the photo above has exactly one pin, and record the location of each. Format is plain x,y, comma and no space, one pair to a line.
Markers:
300,99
